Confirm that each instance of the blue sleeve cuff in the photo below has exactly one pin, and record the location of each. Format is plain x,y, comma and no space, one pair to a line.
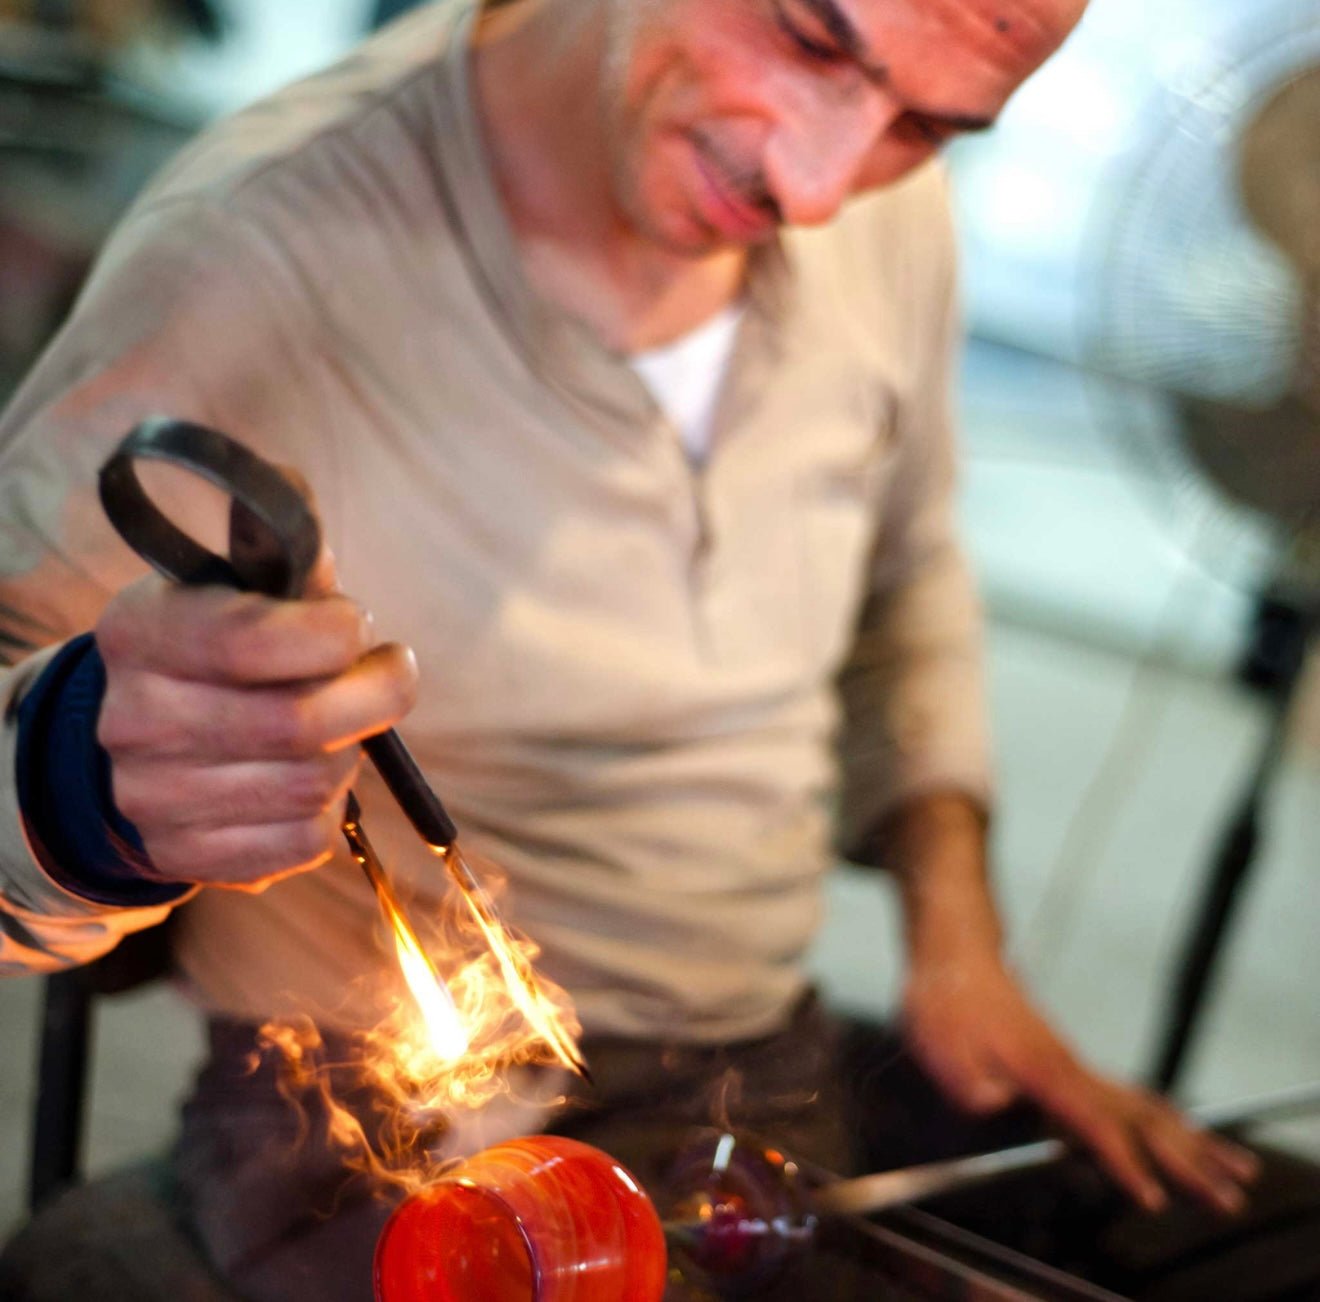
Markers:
86,845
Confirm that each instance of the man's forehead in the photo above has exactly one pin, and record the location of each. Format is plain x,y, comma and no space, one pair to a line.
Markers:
1014,36
1030,23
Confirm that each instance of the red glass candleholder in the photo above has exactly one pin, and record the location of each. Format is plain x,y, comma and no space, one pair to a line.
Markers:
540,1219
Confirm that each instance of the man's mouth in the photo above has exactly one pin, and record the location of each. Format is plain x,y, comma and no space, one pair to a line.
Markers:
725,206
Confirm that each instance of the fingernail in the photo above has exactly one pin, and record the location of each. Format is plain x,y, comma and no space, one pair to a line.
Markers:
1230,1198
1153,1198
988,1098
1248,1164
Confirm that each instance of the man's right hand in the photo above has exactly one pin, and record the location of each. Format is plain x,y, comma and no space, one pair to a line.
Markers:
233,723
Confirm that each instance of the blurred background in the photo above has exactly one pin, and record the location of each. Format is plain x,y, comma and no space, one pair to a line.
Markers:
1141,400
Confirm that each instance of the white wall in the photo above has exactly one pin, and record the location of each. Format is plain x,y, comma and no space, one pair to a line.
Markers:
268,43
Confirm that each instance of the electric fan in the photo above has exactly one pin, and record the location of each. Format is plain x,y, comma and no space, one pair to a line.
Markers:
1204,319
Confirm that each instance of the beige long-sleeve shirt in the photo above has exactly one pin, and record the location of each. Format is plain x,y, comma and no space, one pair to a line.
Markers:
637,679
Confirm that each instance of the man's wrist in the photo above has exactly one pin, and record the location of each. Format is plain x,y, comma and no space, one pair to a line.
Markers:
82,841
936,846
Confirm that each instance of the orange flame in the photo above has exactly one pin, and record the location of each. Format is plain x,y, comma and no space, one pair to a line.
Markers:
452,1043
447,1036
519,978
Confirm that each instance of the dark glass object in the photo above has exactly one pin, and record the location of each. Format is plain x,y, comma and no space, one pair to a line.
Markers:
737,1213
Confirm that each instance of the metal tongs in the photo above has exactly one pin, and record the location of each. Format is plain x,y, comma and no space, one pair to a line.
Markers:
274,541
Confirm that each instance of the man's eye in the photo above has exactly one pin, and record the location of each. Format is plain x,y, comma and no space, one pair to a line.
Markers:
820,49
932,133
815,49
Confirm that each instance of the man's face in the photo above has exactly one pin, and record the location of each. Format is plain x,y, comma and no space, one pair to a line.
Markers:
728,118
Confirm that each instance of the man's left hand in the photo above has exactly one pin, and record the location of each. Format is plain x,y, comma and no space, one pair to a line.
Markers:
975,1030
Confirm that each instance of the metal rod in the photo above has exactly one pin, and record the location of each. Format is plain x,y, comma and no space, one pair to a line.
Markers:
1294,1101
356,836
478,901
873,1193
1233,867
517,970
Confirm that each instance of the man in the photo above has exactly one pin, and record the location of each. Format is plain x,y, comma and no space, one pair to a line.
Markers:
441,281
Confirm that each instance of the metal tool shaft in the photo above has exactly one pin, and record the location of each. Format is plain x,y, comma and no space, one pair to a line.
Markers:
398,769
400,773
518,973
874,1193
356,836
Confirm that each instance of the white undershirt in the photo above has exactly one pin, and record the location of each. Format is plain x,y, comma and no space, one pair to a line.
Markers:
685,378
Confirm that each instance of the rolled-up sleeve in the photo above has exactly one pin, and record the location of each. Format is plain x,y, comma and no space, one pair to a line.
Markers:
914,710
43,927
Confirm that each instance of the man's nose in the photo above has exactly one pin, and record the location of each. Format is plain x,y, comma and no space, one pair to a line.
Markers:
813,164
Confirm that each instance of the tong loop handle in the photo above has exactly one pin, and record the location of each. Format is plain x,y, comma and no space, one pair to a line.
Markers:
274,541
274,538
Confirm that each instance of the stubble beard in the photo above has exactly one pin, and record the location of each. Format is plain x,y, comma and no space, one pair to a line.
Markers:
626,150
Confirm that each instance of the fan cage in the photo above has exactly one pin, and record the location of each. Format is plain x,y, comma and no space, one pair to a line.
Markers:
1186,301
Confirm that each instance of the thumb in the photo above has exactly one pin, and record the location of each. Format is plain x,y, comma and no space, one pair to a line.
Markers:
969,1080
988,1092
324,577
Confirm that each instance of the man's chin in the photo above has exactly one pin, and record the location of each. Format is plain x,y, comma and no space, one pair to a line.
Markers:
690,237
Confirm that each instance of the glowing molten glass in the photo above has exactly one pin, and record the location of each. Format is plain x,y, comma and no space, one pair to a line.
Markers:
542,1219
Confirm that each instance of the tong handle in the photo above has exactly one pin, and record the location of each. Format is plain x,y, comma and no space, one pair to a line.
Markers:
394,762
274,540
